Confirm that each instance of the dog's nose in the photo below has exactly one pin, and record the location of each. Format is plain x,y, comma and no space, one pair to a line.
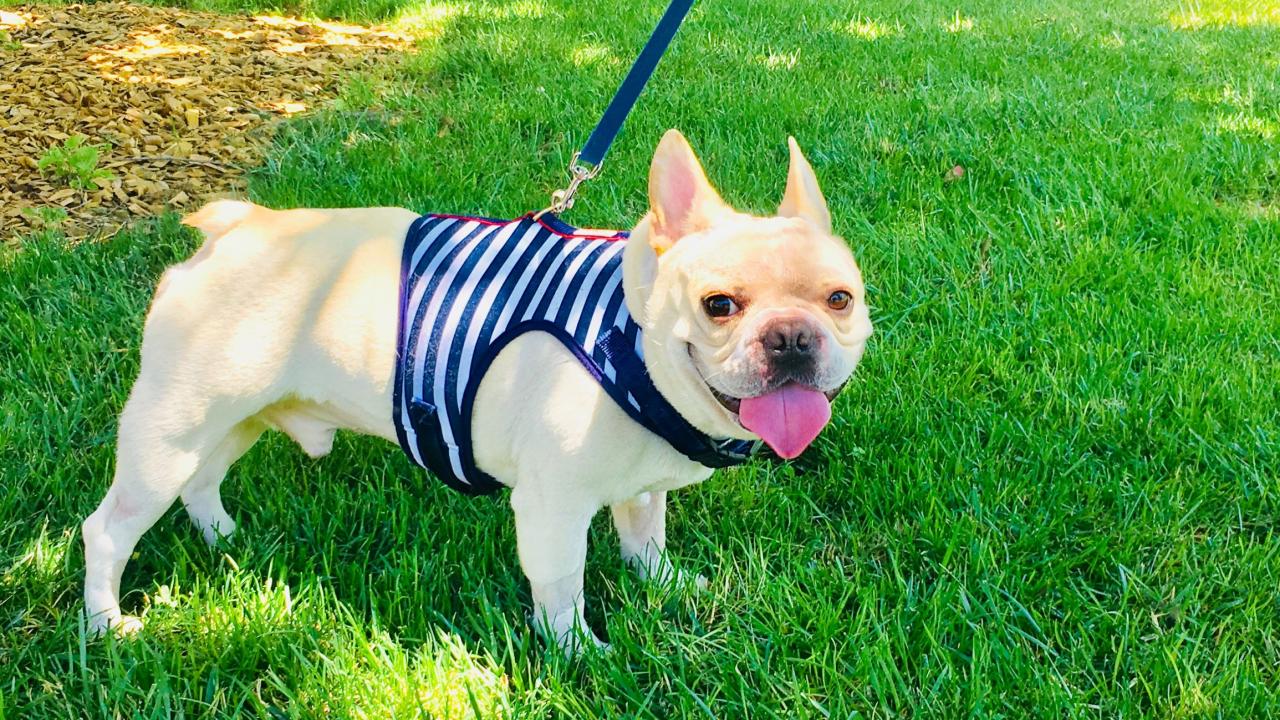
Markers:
789,340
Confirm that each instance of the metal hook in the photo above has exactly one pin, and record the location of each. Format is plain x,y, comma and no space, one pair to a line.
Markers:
562,199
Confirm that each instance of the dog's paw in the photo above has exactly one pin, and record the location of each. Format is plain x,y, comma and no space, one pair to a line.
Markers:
124,626
215,526
663,573
568,631
127,626
687,582
582,643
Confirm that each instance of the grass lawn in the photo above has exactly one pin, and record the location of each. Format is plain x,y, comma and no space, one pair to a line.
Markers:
1051,490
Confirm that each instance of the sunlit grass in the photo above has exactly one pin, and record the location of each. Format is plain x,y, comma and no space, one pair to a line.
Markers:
1243,124
378,678
780,60
592,54
958,23
41,561
1225,13
869,29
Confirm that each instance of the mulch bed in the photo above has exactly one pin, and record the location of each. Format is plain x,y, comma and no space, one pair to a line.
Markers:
183,102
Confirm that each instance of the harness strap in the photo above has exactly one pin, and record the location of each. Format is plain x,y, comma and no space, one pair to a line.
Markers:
664,420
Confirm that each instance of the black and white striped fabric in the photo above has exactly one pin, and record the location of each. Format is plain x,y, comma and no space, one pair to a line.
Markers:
471,285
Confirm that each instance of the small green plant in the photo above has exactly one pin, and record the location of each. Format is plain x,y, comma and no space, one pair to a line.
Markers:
77,163
46,225
7,42
50,216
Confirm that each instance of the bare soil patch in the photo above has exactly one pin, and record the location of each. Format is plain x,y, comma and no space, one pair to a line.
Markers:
182,102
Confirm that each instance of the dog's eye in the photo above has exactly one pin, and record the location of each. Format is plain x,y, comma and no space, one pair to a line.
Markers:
719,306
839,300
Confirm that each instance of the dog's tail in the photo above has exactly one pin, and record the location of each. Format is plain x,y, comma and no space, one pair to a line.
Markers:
214,220
219,217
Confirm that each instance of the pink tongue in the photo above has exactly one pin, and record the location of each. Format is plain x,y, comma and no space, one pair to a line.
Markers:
788,419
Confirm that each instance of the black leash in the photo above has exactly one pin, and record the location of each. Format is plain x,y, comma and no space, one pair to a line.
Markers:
587,162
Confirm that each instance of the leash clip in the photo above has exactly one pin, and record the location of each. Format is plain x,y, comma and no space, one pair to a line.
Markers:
579,173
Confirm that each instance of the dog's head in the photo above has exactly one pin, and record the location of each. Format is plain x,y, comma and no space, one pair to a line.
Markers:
752,324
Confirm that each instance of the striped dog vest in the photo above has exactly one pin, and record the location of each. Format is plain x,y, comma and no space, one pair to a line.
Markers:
469,286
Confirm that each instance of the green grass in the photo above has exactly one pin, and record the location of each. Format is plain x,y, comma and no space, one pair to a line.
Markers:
1051,490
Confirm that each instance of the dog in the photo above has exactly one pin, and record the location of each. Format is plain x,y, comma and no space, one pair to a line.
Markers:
744,329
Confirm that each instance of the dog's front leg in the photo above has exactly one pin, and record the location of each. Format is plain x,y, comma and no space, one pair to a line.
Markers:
642,531
551,537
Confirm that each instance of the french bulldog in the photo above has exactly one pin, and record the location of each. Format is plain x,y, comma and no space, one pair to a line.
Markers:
288,320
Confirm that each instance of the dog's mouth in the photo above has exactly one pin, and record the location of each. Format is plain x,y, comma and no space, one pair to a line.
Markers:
734,404
788,416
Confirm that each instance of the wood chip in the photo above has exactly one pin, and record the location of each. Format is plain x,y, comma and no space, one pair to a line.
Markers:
180,97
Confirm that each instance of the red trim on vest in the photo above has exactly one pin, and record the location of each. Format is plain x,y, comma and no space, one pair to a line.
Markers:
614,235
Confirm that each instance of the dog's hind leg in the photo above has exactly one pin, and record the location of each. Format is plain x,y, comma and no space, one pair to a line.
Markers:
164,444
202,495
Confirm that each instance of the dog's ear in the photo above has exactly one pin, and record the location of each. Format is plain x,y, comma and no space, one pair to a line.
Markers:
681,200
803,198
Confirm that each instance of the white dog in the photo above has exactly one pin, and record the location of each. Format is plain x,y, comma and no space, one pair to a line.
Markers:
743,329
